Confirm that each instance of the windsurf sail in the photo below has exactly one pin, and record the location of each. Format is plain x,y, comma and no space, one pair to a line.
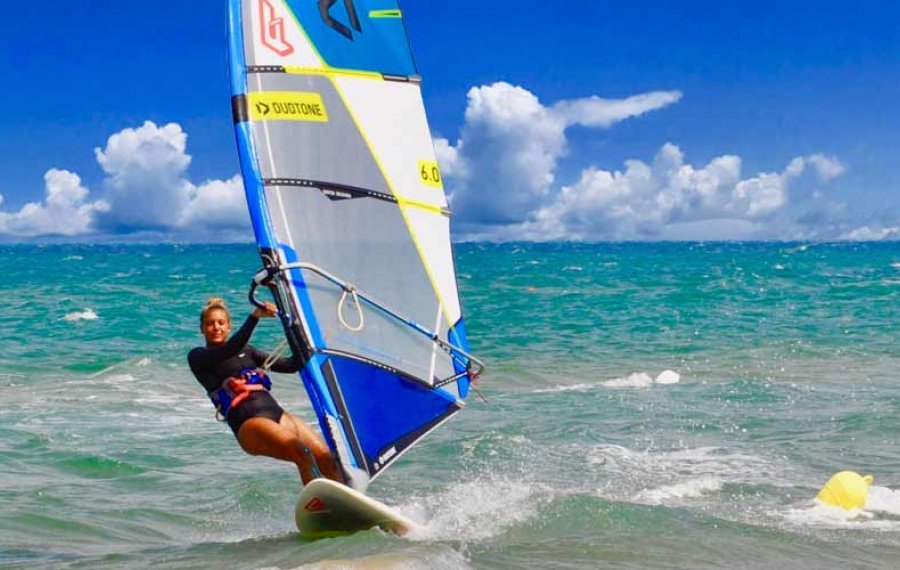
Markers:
351,220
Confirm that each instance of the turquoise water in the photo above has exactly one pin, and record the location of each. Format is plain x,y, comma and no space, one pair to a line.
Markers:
786,356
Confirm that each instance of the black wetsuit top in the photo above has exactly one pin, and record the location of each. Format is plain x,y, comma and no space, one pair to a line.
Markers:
212,365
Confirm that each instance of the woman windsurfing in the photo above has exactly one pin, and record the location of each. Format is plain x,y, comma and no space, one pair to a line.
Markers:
231,371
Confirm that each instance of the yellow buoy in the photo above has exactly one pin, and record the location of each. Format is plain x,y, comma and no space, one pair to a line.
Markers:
847,490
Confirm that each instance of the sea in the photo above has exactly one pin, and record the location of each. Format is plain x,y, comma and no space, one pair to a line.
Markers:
645,406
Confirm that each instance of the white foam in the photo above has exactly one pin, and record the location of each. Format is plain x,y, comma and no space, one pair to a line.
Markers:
117,378
668,377
689,461
142,362
73,258
636,380
692,489
85,315
673,476
883,500
567,388
880,513
407,559
815,513
475,510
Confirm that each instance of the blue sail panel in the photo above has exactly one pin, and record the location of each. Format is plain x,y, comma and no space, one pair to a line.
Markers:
389,411
365,35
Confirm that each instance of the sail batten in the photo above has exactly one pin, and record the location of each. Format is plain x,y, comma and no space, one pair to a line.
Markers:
349,212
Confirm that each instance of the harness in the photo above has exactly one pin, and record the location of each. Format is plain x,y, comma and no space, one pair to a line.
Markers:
234,391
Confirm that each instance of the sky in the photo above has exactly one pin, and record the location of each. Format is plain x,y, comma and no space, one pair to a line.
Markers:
582,120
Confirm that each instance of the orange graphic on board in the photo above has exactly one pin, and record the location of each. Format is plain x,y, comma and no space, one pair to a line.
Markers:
315,505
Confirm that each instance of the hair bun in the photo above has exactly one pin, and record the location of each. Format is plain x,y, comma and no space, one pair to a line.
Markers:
214,303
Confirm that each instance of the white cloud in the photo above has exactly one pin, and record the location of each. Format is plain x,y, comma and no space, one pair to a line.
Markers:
504,165
827,167
642,200
216,204
503,180
598,112
145,169
865,233
147,189
65,211
449,159
646,201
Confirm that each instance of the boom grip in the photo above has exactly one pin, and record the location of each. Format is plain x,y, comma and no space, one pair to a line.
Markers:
262,277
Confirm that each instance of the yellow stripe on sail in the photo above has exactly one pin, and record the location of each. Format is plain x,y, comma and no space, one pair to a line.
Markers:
332,72
423,206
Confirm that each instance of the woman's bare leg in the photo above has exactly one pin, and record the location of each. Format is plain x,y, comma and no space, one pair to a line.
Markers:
315,443
262,436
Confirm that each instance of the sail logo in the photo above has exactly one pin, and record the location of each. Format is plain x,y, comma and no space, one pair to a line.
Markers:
386,456
287,106
272,29
325,7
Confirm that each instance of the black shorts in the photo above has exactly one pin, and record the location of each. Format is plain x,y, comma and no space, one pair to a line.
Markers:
258,405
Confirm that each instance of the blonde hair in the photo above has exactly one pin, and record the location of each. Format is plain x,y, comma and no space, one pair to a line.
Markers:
214,303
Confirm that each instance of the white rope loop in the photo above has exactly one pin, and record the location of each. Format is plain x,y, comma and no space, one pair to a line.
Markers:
359,311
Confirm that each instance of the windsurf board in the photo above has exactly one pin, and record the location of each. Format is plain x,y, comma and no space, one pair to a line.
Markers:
327,508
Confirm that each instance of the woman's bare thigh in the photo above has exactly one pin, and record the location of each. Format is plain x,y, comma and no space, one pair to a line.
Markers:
301,430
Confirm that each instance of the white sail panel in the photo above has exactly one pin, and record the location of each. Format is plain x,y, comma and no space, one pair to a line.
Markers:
432,234
391,116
